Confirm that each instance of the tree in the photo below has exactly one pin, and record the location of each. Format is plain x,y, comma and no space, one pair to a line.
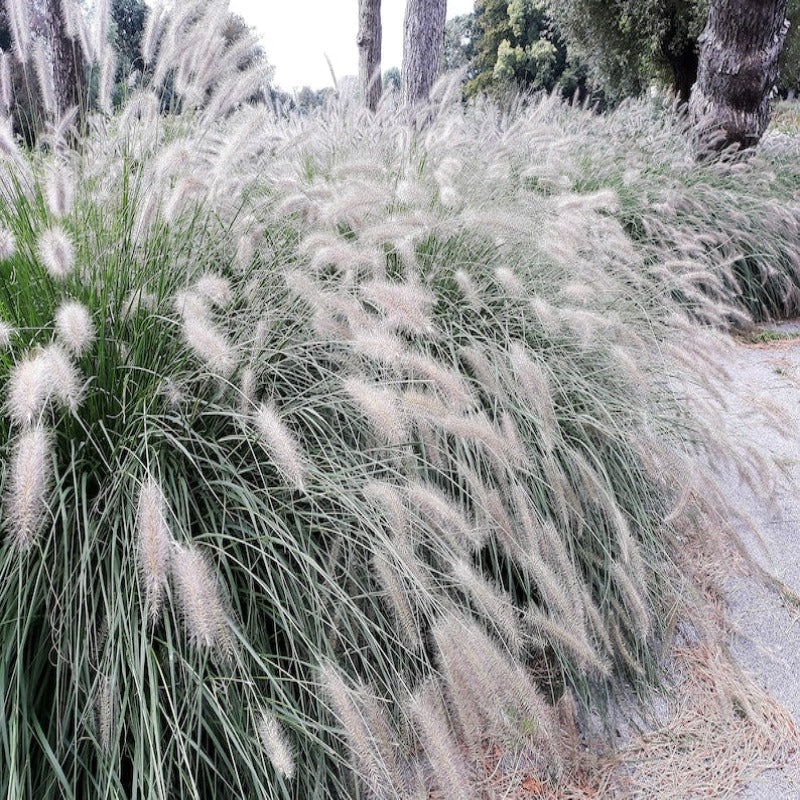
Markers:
789,75
127,28
369,51
423,38
459,43
739,52
629,43
392,80
516,43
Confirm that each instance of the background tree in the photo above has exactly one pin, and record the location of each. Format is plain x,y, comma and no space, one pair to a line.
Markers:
789,64
739,53
518,44
423,39
127,28
459,43
627,44
392,80
369,51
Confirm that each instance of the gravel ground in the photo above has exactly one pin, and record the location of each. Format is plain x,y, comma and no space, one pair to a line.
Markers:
767,627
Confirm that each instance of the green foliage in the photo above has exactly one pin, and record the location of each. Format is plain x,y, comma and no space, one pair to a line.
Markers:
127,28
391,79
405,401
459,42
516,46
628,44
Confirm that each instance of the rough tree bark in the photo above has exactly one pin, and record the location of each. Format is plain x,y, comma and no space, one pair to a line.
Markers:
739,49
423,39
369,51
69,74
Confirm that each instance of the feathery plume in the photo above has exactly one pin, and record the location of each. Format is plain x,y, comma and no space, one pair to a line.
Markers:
153,31
38,379
497,609
448,381
215,289
44,75
29,477
379,345
483,370
74,327
440,747
6,334
20,27
200,598
102,14
443,512
6,87
281,444
105,711
56,252
207,342
388,498
59,191
532,377
108,69
406,306
153,546
382,408
8,244
510,282
247,390
373,761
467,289
573,640
64,378
397,596
490,692
273,740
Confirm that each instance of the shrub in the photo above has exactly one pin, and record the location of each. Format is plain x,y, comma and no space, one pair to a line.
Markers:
320,434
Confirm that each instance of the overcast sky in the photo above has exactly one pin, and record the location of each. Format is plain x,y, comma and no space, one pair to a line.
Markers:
298,33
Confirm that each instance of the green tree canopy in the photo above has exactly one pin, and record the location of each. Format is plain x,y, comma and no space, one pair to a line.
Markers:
627,44
517,43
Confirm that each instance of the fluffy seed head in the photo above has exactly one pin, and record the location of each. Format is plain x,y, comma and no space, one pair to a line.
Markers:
59,191
273,740
215,289
382,408
40,378
200,597
154,545
281,444
208,343
6,333
44,75
74,327
8,244
407,306
57,253
29,476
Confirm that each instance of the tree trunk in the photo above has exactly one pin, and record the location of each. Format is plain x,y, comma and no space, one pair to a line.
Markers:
684,72
423,39
369,51
69,73
739,51
64,56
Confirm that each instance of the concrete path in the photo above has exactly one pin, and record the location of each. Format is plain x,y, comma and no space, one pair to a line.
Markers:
767,625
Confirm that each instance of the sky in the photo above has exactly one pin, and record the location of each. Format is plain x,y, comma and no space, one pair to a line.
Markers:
297,34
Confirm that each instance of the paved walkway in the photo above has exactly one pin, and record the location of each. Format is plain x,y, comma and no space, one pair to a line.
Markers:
766,624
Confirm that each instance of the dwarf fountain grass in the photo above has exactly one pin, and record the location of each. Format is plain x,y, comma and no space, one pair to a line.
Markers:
401,438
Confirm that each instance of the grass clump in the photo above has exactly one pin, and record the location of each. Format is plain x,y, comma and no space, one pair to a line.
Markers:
329,441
